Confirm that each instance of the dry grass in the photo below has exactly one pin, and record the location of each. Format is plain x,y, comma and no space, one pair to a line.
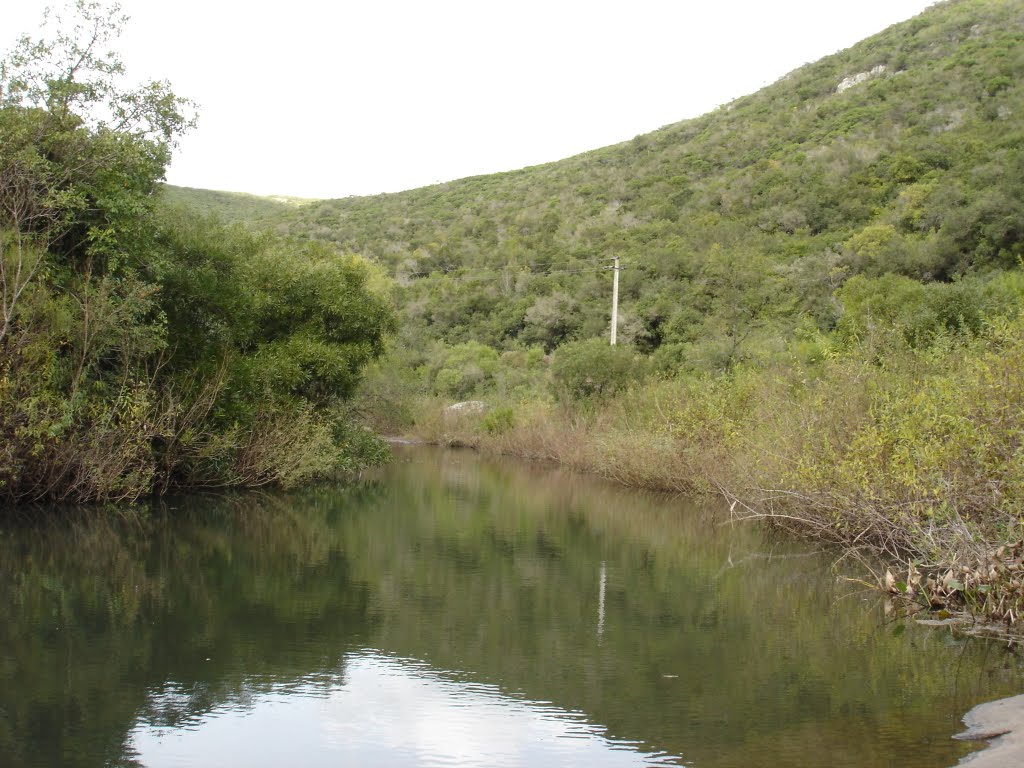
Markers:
918,459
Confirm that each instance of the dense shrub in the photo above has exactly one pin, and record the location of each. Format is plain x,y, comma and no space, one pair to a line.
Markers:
465,369
591,369
143,350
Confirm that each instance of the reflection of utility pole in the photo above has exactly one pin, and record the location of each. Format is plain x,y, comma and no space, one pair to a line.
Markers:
600,597
615,297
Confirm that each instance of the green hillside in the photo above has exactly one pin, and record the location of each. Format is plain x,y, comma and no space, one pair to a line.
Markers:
820,307
231,206
749,216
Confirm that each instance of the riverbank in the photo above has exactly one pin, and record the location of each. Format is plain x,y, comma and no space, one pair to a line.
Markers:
916,462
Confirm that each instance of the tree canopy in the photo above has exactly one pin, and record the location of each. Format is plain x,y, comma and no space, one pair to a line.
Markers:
144,348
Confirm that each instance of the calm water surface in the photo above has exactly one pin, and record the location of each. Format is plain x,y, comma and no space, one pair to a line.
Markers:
453,611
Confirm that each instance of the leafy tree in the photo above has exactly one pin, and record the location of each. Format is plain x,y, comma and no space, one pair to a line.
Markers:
465,369
551,320
144,349
590,369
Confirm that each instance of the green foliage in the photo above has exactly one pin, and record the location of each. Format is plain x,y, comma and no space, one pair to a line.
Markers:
498,421
824,279
912,452
819,276
892,306
932,465
75,77
592,369
465,369
551,320
142,350
734,227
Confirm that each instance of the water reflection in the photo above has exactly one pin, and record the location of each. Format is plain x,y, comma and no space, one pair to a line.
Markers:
388,711
649,627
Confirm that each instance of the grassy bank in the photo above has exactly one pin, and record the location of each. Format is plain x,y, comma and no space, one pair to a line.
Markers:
911,453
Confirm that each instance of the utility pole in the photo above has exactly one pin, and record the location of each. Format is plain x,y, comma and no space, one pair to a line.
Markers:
615,297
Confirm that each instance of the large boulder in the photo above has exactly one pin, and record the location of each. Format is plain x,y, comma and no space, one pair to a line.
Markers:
466,408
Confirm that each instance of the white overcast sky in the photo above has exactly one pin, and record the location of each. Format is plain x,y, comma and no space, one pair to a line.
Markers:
328,99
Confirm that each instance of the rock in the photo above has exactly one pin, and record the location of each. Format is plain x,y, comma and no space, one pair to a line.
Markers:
1002,723
467,408
859,78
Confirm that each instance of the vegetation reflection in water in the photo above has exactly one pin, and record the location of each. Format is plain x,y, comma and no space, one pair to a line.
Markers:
442,600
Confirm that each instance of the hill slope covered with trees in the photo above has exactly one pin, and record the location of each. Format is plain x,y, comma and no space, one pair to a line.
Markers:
750,216
821,303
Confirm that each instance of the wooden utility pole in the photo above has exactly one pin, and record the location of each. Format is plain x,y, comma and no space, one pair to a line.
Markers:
615,297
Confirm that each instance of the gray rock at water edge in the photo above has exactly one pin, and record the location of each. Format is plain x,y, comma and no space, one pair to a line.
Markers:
1001,723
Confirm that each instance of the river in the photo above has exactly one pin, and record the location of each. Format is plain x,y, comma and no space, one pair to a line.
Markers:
451,610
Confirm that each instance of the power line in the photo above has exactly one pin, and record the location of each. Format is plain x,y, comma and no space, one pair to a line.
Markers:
482,274
528,266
